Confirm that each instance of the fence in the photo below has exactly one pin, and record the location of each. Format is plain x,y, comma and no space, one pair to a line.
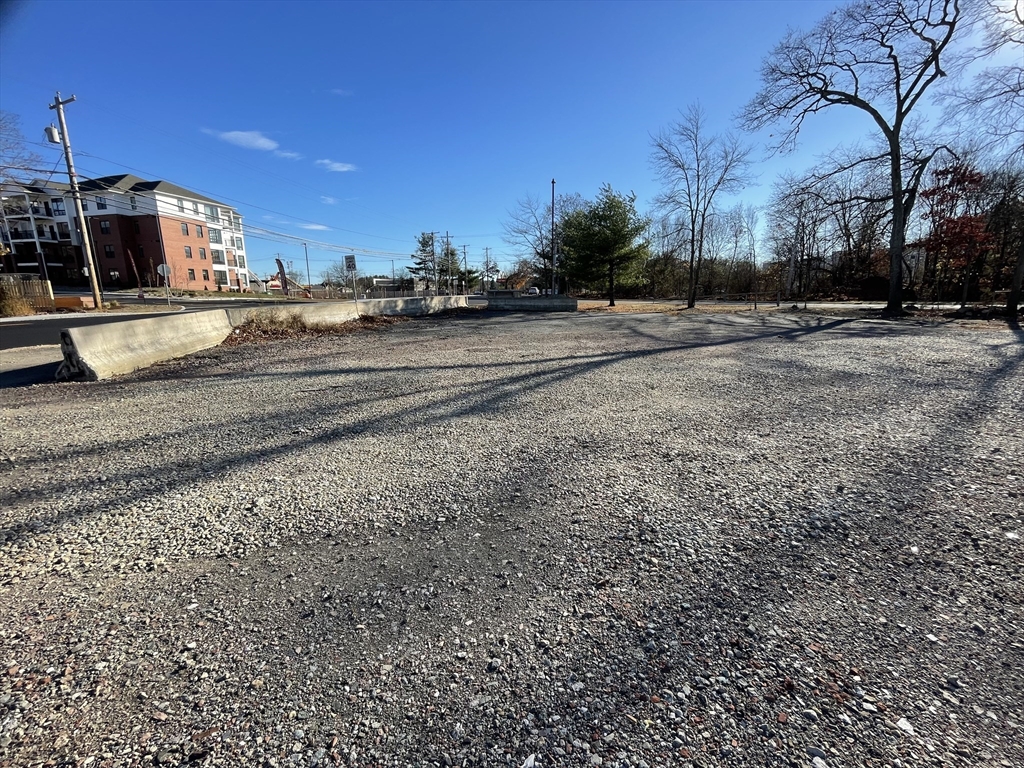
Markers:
36,292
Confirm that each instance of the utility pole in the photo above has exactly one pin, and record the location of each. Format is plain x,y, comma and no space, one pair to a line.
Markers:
465,267
76,195
433,257
447,256
487,266
552,237
309,283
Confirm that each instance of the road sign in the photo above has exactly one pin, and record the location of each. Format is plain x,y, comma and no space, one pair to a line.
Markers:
350,263
164,270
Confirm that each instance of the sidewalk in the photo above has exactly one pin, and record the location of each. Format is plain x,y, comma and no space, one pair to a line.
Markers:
22,366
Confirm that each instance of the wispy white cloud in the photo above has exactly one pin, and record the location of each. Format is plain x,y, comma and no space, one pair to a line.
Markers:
331,165
245,139
328,200
253,140
318,227
340,92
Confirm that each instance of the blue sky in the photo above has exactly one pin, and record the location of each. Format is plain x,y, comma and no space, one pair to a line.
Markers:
374,122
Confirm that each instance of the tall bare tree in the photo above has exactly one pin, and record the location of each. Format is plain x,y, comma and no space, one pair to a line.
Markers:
697,167
877,56
992,101
528,231
17,161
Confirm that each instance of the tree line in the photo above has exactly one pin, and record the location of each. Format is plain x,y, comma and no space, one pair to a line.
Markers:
926,209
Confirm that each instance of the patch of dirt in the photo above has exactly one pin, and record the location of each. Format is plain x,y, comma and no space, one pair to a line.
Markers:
255,331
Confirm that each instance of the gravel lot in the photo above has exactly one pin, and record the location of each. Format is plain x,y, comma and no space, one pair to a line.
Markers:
619,540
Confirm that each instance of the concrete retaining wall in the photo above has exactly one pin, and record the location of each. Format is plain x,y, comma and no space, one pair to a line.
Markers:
101,351
343,311
531,303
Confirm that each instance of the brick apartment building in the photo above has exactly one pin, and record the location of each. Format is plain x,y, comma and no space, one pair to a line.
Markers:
134,225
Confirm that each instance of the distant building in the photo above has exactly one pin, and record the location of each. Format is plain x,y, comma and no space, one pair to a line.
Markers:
133,224
39,234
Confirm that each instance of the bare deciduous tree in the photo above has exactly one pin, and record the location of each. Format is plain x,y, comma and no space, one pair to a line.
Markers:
697,167
880,57
528,231
17,162
992,101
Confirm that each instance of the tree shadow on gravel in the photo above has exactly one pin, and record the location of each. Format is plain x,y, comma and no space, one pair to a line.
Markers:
802,570
126,487
624,649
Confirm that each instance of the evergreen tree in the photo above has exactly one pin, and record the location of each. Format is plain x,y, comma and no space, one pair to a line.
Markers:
424,260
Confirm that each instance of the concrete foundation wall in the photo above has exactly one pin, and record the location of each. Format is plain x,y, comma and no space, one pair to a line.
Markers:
101,351
531,303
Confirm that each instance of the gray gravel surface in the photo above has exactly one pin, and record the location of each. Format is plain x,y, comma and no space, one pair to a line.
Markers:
639,540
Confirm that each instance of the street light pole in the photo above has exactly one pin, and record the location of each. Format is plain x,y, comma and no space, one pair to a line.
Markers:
90,261
309,283
552,237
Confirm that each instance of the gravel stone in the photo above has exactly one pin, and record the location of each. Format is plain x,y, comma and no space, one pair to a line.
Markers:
643,540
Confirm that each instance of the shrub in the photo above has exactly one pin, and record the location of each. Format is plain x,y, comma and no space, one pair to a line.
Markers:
13,305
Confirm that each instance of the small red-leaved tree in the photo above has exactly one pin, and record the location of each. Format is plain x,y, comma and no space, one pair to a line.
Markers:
958,240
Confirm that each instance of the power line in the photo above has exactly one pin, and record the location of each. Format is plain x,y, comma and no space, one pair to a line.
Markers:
224,197
236,161
242,202
261,233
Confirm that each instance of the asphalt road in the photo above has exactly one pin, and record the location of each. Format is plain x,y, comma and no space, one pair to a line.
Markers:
45,329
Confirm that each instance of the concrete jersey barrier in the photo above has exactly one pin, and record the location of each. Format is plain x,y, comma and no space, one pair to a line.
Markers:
101,351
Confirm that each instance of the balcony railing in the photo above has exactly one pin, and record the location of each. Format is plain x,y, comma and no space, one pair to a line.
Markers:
23,211
28,234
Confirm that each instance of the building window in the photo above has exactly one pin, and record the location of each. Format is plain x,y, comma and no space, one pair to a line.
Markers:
58,206
85,204
141,253
108,250
241,261
104,227
184,229
191,274
132,201
220,278
181,205
199,230
101,203
135,224
63,230
188,252
238,243
215,236
202,254
206,274
114,275
212,214
216,256
195,207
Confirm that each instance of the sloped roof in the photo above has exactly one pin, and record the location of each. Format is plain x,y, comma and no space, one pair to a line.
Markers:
127,182
36,187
